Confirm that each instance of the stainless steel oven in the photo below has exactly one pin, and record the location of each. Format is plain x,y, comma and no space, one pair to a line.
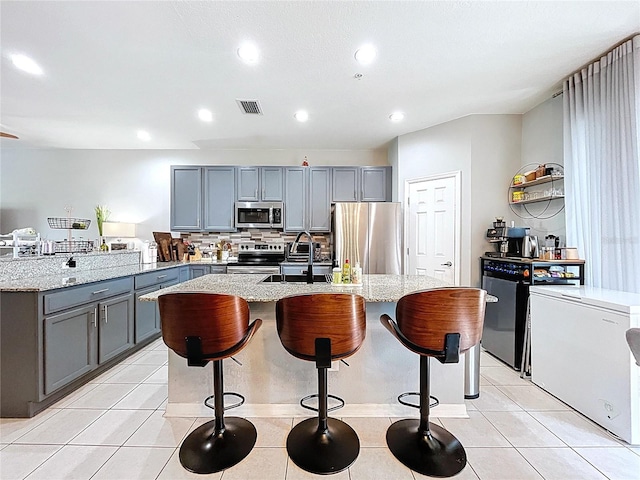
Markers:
258,258
259,215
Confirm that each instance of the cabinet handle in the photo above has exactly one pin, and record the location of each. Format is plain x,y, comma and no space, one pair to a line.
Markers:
95,317
354,195
256,193
161,276
263,193
106,317
100,291
610,321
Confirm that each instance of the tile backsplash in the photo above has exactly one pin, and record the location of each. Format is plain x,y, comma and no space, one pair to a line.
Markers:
204,240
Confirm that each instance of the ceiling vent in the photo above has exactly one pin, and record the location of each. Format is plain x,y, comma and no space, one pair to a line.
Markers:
250,107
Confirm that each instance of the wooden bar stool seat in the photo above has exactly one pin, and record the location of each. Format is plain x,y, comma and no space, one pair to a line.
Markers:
204,327
321,328
440,323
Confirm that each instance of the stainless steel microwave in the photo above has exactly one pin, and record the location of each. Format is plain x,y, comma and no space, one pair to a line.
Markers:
259,215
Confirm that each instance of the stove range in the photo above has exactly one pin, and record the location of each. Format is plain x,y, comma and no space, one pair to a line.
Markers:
258,258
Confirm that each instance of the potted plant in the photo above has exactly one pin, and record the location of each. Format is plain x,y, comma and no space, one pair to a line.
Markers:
102,215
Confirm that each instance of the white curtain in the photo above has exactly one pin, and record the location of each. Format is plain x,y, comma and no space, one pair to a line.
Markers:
602,167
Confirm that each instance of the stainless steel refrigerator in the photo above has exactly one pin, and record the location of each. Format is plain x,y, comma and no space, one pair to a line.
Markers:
368,234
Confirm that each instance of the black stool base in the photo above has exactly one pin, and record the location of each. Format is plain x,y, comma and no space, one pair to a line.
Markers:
205,451
438,454
323,453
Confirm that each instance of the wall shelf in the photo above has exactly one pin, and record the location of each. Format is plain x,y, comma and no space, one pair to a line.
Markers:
543,205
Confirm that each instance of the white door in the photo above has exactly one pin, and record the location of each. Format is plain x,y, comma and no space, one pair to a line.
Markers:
432,227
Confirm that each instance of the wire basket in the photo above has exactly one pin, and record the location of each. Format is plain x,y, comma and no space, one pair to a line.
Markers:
74,246
69,223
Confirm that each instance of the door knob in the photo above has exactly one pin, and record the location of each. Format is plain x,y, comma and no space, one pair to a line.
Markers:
448,264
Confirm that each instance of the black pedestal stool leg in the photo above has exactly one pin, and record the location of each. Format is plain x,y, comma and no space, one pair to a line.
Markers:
423,446
220,443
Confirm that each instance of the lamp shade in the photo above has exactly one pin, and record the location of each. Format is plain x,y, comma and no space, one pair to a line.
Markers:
118,229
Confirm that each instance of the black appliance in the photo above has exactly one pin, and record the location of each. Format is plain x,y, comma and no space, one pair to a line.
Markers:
505,321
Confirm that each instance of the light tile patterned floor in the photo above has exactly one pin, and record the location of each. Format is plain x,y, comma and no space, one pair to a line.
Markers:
114,429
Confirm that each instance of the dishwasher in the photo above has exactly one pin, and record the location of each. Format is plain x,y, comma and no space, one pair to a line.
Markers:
505,320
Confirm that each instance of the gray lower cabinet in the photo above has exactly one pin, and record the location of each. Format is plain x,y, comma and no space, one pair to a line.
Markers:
77,340
147,316
200,270
115,327
69,346
51,342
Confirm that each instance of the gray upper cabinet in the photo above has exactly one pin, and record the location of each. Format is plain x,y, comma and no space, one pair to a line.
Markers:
219,194
345,184
361,184
375,184
307,199
186,198
295,198
319,205
257,184
202,198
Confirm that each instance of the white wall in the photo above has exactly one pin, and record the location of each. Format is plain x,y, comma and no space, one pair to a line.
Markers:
542,142
134,184
486,149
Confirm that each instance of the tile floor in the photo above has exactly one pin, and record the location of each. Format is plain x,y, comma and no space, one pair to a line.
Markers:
113,429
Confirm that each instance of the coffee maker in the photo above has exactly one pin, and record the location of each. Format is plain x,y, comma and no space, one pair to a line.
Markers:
497,236
520,243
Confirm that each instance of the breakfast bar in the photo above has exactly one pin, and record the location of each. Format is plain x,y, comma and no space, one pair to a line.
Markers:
273,381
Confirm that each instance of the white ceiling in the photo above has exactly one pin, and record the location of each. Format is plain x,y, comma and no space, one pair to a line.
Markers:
114,67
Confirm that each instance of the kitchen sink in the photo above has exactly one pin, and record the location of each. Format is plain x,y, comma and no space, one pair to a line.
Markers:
278,278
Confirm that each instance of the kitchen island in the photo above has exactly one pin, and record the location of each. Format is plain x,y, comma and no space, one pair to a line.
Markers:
273,381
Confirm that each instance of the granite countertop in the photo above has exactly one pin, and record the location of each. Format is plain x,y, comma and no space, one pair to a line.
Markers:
374,288
73,277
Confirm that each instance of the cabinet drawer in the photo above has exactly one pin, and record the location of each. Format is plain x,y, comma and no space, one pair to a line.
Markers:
152,278
71,297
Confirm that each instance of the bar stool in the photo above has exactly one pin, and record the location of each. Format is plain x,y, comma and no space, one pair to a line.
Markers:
203,327
320,328
440,323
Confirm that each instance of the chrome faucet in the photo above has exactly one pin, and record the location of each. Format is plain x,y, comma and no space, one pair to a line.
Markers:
294,248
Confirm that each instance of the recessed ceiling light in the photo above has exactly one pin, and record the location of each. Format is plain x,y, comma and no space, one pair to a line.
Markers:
396,116
249,53
26,64
205,115
142,135
365,54
301,116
